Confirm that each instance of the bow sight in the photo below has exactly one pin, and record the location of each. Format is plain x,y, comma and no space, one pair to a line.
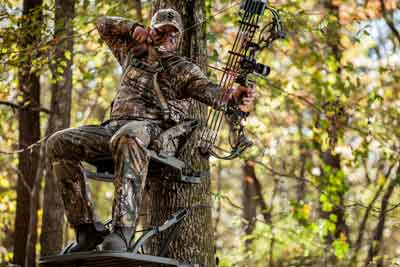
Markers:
250,65
241,62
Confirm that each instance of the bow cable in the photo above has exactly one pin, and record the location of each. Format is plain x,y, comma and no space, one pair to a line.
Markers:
240,52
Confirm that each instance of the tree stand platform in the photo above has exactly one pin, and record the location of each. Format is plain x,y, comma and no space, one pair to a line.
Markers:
131,258
108,259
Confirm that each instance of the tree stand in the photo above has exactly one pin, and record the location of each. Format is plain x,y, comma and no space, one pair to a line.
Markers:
163,164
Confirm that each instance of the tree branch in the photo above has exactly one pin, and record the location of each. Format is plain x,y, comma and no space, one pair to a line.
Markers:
389,21
21,107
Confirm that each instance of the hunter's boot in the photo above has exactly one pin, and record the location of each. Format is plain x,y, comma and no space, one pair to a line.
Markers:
87,238
119,240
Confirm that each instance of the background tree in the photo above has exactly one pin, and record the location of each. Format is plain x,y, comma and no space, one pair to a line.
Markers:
29,133
51,240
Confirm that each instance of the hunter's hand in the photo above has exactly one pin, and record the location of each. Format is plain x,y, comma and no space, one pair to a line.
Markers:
147,36
246,95
140,34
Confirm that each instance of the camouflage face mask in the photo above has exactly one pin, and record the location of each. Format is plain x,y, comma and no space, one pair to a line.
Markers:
167,39
169,35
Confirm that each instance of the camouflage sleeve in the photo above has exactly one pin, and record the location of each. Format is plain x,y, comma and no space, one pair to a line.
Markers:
116,32
198,86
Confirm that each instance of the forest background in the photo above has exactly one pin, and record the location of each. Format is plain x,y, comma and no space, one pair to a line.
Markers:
320,185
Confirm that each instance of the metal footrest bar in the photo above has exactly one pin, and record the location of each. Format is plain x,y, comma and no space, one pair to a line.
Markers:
102,177
175,219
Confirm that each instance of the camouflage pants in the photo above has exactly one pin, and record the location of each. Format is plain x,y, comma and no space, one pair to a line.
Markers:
125,141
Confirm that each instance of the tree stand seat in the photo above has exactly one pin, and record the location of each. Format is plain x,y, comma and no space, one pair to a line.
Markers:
161,165
163,162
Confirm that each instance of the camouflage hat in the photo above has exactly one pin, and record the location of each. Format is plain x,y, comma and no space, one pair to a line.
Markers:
167,17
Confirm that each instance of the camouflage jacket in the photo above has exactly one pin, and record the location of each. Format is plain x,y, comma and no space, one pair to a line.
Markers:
177,77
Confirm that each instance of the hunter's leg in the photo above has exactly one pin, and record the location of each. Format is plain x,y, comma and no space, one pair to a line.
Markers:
65,150
131,164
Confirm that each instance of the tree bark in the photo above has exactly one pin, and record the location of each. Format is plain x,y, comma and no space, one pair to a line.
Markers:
195,242
29,133
51,239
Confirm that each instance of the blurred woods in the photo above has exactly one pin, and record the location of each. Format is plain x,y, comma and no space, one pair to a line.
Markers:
320,185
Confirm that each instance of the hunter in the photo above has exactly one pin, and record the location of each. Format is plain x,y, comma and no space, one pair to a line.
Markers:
153,79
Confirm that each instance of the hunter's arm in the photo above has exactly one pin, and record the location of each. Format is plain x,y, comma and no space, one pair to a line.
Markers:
117,33
199,87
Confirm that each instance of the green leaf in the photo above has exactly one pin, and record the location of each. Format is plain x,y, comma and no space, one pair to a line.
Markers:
340,248
333,217
211,37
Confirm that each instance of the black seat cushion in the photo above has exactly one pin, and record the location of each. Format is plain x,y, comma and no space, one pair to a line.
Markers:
103,164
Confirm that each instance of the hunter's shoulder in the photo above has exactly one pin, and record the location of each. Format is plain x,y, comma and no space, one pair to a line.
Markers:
115,19
114,24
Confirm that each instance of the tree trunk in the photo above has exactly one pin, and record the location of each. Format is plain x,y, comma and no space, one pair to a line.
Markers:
137,5
51,239
29,132
301,183
329,157
195,242
376,244
249,200
253,197
363,225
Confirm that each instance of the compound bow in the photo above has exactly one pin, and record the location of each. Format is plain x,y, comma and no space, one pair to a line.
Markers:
241,62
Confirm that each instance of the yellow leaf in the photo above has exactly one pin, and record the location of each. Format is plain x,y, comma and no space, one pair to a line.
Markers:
307,210
330,114
4,183
381,179
343,237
